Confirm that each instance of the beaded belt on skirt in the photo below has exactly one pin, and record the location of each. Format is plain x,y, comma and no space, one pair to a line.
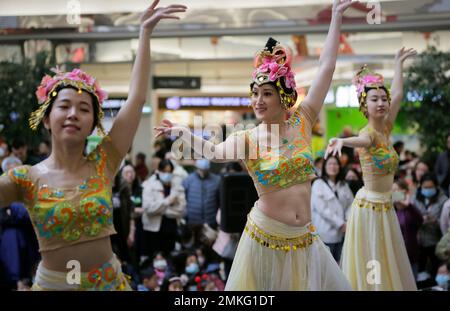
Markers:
278,242
377,201
107,277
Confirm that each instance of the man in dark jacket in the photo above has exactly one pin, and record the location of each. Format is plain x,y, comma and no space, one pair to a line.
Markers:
202,197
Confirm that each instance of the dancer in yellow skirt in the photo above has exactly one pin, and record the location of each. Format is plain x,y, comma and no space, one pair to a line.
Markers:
68,195
279,249
374,255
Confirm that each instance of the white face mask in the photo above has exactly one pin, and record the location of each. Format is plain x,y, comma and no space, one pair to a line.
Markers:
160,264
166,178
398,196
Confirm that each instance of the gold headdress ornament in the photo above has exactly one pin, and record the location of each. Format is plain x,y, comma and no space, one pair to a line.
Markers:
273,64
78,79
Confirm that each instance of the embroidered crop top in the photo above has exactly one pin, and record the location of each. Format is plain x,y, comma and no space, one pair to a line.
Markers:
63,217
289,163
380,158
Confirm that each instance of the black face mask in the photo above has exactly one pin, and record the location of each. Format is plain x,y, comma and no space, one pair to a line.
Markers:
355,185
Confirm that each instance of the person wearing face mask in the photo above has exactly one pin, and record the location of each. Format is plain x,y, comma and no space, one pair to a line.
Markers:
429,199
192,270
419,169
354,180
161,267
410,220
164,204
443,276
202,196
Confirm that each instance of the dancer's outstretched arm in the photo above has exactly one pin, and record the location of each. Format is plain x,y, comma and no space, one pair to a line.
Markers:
232,149
397,83
327,61
335,145
127,121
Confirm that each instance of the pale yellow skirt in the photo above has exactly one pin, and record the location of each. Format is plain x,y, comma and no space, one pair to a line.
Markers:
108,277
273,256
374,255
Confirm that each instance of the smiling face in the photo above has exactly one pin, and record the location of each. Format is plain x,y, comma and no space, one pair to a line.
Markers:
377,103
71,117
332,167
266,102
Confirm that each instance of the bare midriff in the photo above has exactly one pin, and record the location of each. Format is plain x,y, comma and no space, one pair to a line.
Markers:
291,206
380,183
91,254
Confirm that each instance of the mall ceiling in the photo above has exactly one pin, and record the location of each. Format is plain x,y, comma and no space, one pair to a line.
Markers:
228,31
113,19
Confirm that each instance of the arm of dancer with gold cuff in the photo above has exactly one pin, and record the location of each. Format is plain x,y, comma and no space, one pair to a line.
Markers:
232,149
127,121
397,83
327,61
335,144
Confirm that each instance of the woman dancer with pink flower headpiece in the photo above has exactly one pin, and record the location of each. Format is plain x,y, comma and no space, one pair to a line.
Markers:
374,255
279,249
68,195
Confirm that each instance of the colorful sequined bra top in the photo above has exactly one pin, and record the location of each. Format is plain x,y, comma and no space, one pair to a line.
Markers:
63,217
380,158
290,163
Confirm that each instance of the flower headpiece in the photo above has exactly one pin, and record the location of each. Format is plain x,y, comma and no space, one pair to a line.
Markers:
78,79
273,64
365,78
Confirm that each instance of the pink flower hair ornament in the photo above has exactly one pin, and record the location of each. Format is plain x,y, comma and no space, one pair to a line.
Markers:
273,64
365,78
78,79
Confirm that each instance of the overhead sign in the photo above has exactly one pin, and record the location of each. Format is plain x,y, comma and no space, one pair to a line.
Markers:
176,102
113,103
110,107
176,82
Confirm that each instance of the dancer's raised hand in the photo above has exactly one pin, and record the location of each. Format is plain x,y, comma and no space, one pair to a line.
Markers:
151,17
339,6
334,147
403,54
397,82
168,127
